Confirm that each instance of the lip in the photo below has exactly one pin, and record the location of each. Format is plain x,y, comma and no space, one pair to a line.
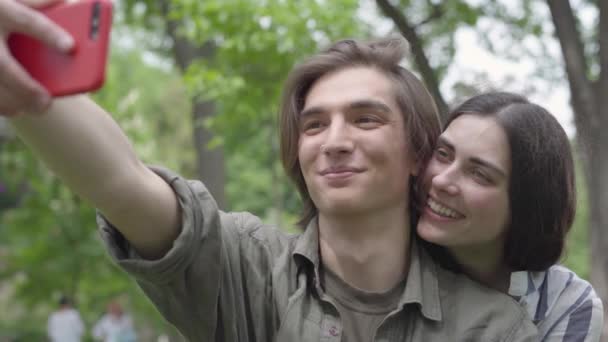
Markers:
340,171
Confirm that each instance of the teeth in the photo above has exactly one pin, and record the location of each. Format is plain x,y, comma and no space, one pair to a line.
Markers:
442,210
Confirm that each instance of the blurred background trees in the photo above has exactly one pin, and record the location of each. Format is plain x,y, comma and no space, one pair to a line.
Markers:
196,85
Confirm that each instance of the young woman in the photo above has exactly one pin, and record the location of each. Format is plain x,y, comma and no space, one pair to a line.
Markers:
499,200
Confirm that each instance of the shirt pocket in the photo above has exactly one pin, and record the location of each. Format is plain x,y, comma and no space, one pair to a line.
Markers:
302,319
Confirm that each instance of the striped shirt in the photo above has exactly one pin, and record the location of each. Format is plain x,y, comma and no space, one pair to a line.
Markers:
564,307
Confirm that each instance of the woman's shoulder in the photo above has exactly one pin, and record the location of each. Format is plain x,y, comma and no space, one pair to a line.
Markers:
567,302
555,290
560,280
557,286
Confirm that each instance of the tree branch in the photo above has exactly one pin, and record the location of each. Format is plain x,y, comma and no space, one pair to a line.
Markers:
422,62
581,88
436,13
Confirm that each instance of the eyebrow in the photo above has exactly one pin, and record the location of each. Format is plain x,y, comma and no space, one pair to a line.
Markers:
475,160
356,105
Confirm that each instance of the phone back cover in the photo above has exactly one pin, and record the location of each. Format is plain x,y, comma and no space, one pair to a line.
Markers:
82,70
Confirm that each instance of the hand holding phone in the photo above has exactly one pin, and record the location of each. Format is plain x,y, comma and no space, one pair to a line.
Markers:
19,91
82,70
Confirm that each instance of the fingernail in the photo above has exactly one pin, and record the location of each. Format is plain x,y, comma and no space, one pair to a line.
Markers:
66,42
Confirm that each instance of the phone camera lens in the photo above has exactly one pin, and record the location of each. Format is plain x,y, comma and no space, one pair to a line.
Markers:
94,29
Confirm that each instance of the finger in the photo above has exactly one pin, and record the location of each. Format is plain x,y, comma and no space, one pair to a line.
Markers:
13,104
21,91
8,105
16,17
39,3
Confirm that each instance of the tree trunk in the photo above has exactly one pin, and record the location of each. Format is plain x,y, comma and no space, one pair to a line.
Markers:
210,162
599,196
589,104
598,214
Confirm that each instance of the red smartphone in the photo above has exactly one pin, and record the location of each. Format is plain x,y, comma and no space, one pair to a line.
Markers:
83,70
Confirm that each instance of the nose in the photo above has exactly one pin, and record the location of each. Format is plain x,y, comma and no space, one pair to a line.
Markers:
446,179
338,139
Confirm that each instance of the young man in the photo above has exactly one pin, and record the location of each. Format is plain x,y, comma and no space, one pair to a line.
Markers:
355,128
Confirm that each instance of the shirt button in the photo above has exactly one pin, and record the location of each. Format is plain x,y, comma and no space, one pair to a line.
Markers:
333,331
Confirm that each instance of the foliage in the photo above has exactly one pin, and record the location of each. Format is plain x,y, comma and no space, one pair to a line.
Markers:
524,29
49,243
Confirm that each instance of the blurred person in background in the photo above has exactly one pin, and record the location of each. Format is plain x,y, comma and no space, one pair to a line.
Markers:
65,324
115,325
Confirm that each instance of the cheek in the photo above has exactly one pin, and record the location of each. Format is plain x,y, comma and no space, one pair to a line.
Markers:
493,209
305,154
308,153
396,156
431,170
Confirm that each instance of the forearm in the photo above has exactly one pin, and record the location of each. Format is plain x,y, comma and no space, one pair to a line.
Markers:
83,146
88,151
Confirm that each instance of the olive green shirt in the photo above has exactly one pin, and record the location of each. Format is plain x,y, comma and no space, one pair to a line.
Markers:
229,277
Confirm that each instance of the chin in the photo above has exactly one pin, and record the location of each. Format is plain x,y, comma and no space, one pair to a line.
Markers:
343,209
430,234
342,206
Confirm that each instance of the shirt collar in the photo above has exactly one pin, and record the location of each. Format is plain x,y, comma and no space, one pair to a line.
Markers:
524,283
421,286
306,253
307,245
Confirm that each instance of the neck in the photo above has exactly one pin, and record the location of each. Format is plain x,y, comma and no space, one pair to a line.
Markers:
369,252
485,265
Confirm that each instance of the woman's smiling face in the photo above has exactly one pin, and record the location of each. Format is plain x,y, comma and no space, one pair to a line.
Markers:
467,182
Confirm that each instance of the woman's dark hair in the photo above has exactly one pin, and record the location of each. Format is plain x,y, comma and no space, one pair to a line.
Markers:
542,189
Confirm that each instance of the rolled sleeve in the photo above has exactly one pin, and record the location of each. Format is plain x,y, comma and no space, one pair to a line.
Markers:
199,215
184,283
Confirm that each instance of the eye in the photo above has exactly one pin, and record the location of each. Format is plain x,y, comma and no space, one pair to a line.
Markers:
312,126
481,176
367,121
442,154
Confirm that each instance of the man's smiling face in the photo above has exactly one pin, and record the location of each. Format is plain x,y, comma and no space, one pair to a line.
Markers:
353,151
